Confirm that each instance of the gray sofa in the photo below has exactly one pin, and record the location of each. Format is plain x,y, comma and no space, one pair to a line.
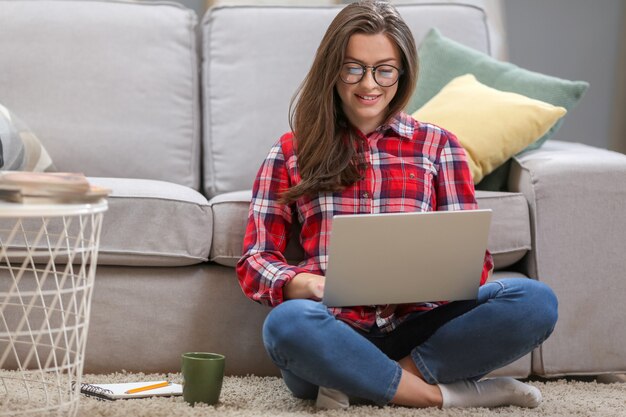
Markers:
175,116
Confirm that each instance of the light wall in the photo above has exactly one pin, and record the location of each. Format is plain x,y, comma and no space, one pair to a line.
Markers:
576,40
618,136
198,5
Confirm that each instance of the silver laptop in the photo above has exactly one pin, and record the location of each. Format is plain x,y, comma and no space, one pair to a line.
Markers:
396,258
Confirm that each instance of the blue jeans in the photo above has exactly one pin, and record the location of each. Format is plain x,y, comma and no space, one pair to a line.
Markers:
311,347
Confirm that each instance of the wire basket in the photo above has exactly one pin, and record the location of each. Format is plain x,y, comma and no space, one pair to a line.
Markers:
48,258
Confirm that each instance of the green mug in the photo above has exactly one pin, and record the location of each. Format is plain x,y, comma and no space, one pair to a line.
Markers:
203,374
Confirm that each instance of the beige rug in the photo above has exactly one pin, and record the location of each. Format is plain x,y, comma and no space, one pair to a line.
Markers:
256,396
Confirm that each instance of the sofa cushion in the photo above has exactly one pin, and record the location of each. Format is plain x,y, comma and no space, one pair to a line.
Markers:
154,223
509,236
255,57
114,81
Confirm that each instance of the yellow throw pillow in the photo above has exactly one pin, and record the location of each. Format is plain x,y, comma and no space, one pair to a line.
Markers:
492,125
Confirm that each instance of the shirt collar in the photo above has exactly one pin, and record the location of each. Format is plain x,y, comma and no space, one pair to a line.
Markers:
402,124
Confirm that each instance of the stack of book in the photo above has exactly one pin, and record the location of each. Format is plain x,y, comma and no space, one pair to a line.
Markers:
48,188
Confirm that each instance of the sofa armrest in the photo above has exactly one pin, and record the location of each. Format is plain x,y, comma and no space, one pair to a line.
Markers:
577,199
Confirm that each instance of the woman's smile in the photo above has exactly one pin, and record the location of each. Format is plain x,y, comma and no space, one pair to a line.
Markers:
369,99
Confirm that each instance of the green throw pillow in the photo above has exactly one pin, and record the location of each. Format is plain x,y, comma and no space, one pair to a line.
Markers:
442,59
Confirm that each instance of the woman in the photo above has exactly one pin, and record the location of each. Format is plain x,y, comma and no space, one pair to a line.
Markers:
352,150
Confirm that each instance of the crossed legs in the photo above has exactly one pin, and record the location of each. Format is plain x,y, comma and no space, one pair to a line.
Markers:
512,317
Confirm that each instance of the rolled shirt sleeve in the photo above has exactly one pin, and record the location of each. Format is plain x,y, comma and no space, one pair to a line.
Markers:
263,270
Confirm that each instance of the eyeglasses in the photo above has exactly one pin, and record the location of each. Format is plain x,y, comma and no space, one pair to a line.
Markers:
385,75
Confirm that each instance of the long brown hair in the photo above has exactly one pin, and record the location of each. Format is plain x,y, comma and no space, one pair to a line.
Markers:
325,144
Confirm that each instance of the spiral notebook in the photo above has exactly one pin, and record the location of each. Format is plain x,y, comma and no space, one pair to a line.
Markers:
120,391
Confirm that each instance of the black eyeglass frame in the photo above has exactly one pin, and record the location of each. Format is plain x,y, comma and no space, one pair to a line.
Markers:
372,68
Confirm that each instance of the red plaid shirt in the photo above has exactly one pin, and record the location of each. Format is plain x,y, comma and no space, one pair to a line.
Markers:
411,166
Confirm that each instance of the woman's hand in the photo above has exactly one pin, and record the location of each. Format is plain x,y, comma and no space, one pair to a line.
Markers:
305,285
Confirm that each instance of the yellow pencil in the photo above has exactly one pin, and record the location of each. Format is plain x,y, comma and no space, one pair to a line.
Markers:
148,387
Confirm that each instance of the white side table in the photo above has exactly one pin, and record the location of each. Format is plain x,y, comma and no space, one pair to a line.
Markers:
48,258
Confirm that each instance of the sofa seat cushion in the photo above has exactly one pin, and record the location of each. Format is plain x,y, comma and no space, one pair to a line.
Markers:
230,214
154,223
509,236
